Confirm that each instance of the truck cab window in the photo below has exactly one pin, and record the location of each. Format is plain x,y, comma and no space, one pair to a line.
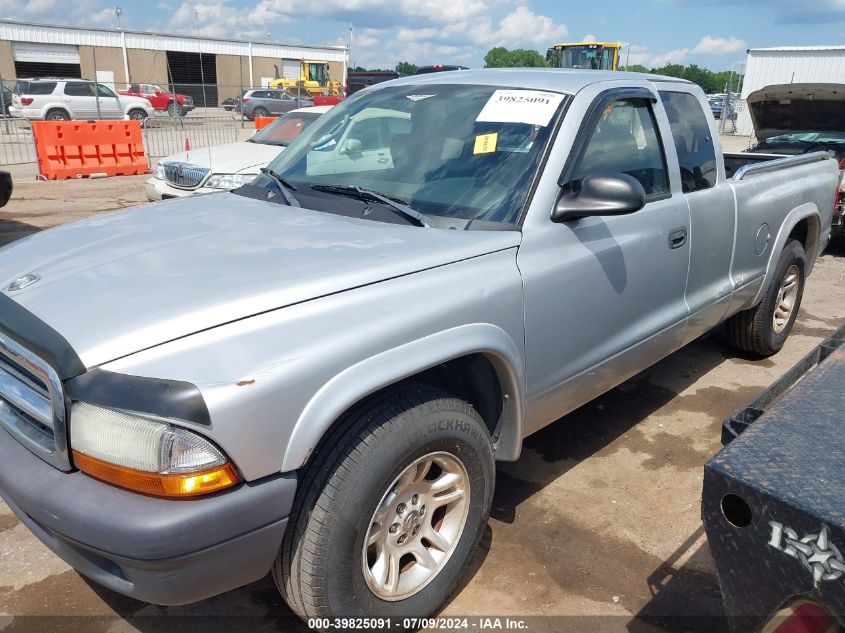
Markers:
625,141
693,140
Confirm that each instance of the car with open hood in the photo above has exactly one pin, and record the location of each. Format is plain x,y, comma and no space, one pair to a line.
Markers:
793,119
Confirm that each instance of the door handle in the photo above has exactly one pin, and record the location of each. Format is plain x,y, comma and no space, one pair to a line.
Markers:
677,237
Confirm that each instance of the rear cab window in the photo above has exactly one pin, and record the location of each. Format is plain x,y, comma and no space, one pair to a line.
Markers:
693,140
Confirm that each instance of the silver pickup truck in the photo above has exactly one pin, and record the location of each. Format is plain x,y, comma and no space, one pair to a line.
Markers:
316,373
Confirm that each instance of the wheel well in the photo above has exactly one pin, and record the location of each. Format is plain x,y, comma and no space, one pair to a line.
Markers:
800,232
56,110
471,378
807,231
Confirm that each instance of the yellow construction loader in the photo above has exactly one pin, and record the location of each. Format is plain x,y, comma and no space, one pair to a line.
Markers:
585,55
313,79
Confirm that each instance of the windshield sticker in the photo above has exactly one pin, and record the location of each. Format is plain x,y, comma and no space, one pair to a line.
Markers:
416,98
533,107
486,143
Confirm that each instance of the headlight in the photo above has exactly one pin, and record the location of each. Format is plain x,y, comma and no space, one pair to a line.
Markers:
159,171
229,181
146,455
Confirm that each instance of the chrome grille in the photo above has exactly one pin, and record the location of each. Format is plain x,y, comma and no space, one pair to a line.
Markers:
32,405
184,175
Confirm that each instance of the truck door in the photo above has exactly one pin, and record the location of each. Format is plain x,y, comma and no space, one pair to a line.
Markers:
604,296
712,210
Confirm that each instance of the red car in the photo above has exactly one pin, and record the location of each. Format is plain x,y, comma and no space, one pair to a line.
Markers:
174,104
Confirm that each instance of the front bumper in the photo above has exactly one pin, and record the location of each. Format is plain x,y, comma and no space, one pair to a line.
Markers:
163,551
157,189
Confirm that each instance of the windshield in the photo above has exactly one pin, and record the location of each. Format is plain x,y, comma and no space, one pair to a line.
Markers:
460,151
591,57
285,129
808,137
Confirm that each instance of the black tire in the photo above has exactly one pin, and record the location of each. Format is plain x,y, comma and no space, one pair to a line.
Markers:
174,109
344,483
753,330
260,112
57,114
137,115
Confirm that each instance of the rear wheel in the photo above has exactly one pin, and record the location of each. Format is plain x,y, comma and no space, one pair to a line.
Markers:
260,112
391,510
57,114
174,109
763,329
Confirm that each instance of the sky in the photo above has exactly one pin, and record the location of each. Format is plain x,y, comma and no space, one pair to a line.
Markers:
712,33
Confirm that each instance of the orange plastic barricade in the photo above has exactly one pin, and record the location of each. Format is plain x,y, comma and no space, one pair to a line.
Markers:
72,149
264,121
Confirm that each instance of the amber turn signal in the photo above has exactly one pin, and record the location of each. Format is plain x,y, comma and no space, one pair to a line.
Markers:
161,485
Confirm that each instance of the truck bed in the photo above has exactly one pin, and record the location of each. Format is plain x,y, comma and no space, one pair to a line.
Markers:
736,161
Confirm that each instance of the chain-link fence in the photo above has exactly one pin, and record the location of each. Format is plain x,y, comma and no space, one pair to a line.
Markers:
207,115
164,136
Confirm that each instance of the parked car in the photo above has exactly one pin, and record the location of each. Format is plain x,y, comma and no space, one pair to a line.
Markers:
65,99
356,81
6,97
222,167
717,107
316,373
5,188
173,103
794,119
268,102
230,103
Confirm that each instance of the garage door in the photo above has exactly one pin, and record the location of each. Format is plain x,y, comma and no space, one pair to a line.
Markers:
290,68
45,53
45,60
194,74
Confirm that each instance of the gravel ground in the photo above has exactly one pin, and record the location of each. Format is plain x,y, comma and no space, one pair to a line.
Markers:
600,516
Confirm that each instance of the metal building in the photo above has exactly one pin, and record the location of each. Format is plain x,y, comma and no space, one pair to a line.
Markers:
787,65
206,68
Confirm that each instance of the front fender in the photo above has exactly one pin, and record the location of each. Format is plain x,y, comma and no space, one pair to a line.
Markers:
379,371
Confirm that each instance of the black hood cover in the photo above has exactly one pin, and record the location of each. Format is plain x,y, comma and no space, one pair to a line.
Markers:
792,108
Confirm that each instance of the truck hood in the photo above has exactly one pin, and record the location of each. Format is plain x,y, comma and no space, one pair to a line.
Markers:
127,281
231,158
791,108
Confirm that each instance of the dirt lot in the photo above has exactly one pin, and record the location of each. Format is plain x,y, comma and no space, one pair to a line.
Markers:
600,516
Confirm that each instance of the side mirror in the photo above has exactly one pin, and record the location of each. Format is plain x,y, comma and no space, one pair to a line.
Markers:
616,194
351,146
158,91
5,187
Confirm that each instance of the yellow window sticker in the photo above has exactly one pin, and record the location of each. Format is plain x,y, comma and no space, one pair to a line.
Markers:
486,143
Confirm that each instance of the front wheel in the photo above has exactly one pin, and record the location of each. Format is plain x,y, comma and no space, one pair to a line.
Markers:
390,512
763,329
137,115
174,109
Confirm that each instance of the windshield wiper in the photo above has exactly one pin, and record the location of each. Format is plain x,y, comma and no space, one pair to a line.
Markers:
284,186
366,194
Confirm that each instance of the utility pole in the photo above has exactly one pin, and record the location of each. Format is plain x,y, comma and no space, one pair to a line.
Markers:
118,11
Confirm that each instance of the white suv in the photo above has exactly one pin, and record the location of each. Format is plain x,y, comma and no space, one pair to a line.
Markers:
54,99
